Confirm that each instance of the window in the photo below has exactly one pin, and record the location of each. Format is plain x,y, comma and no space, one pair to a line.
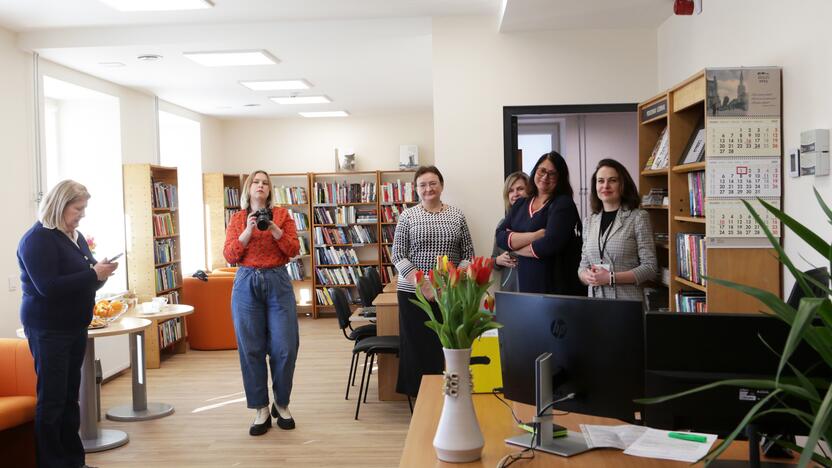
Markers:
180,146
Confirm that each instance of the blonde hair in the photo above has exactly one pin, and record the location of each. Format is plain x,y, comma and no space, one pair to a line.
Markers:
510,180
52,207
245,195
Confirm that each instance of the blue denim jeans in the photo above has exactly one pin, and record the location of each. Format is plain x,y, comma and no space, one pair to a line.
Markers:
266,323
58,356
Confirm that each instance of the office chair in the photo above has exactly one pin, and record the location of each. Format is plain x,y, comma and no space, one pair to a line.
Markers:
343,313
367,294
375,279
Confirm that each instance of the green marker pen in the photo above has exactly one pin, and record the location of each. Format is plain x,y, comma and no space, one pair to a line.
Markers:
686,436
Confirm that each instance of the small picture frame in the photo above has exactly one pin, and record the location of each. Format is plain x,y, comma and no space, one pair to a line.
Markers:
408,157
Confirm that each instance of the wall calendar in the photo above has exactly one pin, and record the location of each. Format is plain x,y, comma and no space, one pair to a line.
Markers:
744,178
730,218
742,137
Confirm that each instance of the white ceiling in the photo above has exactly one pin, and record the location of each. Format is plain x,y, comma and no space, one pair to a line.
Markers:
370,57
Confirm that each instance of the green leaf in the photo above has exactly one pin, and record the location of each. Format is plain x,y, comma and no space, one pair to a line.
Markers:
714,454
762,384
814,240
802,321
823,205
815,456
819,427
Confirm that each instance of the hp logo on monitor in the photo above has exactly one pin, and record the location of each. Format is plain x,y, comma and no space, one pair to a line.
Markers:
559,329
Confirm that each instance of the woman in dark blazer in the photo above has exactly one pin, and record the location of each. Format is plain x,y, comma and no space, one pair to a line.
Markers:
59,277
515,188
544,231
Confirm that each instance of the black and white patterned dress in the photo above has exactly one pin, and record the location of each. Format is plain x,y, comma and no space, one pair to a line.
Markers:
420,237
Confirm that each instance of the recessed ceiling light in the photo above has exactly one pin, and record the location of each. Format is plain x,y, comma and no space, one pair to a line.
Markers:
149,58
158,5
276,85
325,114
232,58
251,105
301,100
111,64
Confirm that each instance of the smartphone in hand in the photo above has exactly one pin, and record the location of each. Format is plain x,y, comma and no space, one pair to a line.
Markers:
115,257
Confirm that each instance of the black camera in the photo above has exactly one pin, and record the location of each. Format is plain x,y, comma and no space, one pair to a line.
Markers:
264,218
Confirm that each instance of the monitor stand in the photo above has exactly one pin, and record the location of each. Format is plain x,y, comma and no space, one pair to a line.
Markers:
573,443
753,455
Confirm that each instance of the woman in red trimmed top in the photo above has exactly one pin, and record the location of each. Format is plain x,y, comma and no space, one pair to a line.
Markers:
263,302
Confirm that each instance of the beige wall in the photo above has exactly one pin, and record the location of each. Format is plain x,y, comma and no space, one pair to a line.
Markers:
793,35
477,71
307,145
16,149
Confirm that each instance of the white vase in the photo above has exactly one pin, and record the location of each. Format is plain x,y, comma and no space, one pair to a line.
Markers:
458,438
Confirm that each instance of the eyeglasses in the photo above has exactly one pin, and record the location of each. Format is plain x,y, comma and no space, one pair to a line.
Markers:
543,173
431,184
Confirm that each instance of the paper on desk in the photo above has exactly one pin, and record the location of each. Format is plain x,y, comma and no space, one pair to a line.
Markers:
619,437
658,444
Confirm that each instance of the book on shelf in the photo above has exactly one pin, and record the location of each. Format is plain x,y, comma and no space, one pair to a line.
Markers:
304,246
691,302
388,233
290,195
163,225
232,196
329,193
164,195
398,192
295,270
696,192
695,148
164,250
166,277
391,213
229,212
387,254
659,157
324,298
388,273
301,220
336,256
170,332
691,257
172,297
340,276
656,197
345,215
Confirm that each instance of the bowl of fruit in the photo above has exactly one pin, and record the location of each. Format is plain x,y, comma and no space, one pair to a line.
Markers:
109,310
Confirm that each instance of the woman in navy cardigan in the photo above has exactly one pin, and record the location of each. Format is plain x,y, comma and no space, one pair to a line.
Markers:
59,278
544,231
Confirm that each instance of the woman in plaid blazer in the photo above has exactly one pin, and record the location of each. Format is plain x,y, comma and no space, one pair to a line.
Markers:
619,253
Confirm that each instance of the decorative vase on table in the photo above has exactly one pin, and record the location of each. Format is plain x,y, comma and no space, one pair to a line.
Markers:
467,312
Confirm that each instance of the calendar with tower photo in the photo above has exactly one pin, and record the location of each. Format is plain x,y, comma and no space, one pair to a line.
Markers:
743,92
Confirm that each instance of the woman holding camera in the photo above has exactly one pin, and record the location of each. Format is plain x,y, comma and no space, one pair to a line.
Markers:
261,239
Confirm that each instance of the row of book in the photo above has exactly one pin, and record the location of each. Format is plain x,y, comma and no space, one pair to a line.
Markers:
332,193
656,197
166,277
398,192
163,225
691,256
345,275
295,270
301,220
290,195
170,332
164,250
304,246
323,296
390,213
387,254
164,196
696,193
691,301
232,196
387,273
388,233
229,212
354,234
334,256
172,297
660,156
345,215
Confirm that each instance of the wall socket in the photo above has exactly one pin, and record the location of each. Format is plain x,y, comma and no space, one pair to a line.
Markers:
13,283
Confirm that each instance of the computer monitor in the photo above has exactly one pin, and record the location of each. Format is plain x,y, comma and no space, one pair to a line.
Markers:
684,351
821,275
597,348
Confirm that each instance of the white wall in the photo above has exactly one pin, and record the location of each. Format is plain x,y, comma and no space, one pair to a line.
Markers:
476,72
793,35
308,145
16,147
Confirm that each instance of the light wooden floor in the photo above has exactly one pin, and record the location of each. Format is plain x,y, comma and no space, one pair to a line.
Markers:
326,434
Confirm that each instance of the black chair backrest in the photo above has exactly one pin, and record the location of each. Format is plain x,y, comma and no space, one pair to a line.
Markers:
375,279
342,307
366,291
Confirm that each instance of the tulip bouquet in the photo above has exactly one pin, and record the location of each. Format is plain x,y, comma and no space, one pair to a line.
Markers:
459,293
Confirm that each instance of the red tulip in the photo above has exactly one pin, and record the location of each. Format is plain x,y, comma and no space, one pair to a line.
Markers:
453,275
489,302
432,278
420,275
483,275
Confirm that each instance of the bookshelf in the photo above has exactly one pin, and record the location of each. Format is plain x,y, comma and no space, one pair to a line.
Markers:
221,195
397,192
345,233
291,191
689,251
153,250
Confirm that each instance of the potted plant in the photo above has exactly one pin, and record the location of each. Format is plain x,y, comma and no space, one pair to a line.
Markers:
811,323
466,313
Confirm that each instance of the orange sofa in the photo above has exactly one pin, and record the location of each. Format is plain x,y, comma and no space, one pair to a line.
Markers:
17,401
210,326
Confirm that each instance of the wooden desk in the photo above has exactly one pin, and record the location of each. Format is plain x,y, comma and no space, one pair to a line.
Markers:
387,324
390,287
496,425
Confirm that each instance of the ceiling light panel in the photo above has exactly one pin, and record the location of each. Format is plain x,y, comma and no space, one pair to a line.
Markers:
324,114
301,100
276,85
232,58
158,5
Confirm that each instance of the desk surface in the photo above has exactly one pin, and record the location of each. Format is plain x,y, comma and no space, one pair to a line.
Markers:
386,299
119,327
496,425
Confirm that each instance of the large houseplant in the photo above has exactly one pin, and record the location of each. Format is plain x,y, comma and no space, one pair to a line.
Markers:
466,311
811,323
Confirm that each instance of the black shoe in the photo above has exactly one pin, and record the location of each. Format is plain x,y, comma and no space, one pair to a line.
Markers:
260,429
283,423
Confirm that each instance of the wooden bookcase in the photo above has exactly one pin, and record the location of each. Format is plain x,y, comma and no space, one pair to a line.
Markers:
145,259
757,267
292,192
397,192
362,204
220,204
